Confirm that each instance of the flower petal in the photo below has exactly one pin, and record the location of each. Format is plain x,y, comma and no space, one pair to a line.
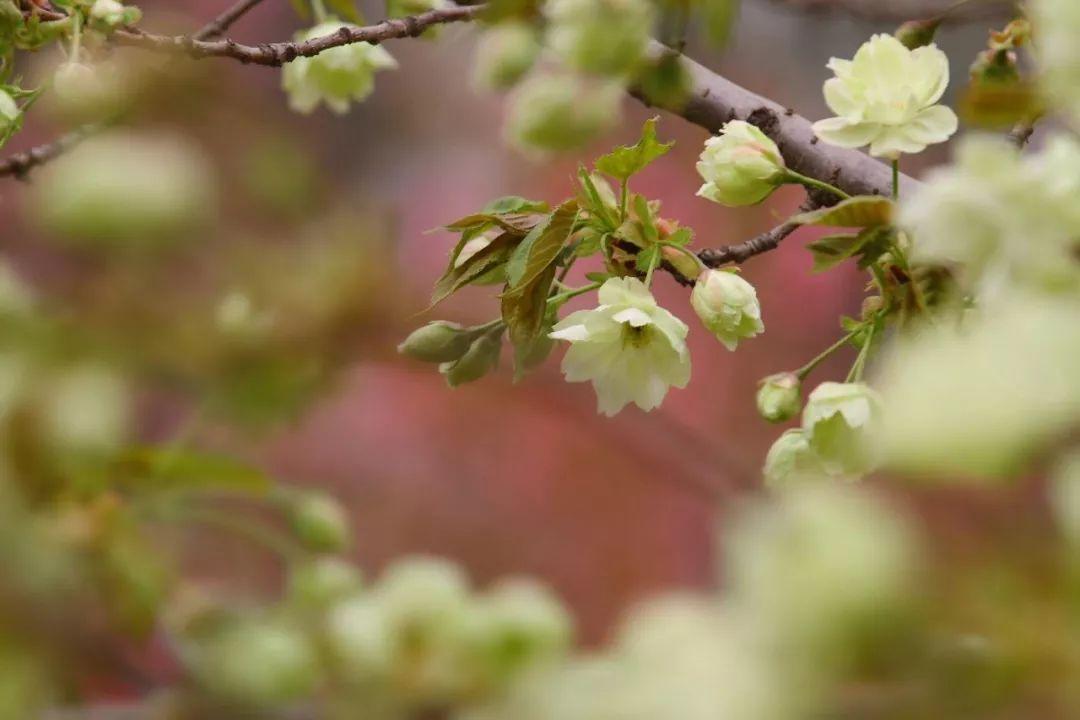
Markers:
839,131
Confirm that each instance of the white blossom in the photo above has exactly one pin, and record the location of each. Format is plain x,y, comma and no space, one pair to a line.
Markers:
630,348
886,97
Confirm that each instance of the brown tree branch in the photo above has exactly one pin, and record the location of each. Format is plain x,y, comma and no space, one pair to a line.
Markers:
224,21
19,164
279,53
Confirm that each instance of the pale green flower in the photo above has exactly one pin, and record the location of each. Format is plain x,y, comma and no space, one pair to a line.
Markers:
791,460
887,97
728,306
1057,25
561,112
630,348
125,188
112,14
521,623
1000,218
504,54
984,401
605,37
741,166
780,397
336,76
816,565
840,421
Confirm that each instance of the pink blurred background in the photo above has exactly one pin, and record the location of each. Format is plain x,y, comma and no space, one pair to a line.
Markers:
528,478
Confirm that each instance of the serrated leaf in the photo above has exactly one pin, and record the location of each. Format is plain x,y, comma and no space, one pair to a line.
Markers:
832,250
681,237
524,309
346,10
646,258
539,249
623,162
515,204
862,211
485,260
152,468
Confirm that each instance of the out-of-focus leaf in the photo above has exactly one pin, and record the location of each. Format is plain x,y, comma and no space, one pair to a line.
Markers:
541,246
720,17
153,468
665,82
301,8
346,10
998,106
862,211
515,204
625,161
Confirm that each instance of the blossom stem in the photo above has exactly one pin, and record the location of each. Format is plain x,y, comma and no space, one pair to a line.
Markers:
791,176
564,296
856,373
655,260
809,367
76,36
624,192
688,253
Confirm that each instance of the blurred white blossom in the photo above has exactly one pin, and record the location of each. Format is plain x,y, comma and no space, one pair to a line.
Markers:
605,37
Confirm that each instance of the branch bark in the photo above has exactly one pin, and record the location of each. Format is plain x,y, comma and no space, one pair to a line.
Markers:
279,53
19,164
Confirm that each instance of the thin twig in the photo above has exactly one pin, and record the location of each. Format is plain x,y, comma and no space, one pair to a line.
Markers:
770,240
19,164
224,21
280,53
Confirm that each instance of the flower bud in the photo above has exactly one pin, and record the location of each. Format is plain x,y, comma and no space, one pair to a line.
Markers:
438,342
111,14
741,166
791,460
528,616
504,54
728,306
602,37
917,33
840,420
320,522
561,112
481,358
780,397
85,93
9,110
323,581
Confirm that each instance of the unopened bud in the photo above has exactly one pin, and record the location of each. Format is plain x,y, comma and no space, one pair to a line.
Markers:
481,358
872,306
322,582
780,397
437,342
319,521
917,33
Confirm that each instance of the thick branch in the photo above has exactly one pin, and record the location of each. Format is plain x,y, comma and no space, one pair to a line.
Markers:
279,53
715,101
225,20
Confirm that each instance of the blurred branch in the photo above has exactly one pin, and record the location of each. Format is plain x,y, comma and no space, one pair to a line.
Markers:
898,11
225,20
19,164
279,53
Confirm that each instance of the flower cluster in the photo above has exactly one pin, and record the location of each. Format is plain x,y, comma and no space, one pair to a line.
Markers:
336,77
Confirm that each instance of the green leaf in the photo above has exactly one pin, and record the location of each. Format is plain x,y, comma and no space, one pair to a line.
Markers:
529,355
156,468
524,309
346,10
832,250
875,242
647,257
625,161
474,268
515,204
681,237
589,242
862,211
520,223
598,276
595,203
645,217
542,245
720,17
